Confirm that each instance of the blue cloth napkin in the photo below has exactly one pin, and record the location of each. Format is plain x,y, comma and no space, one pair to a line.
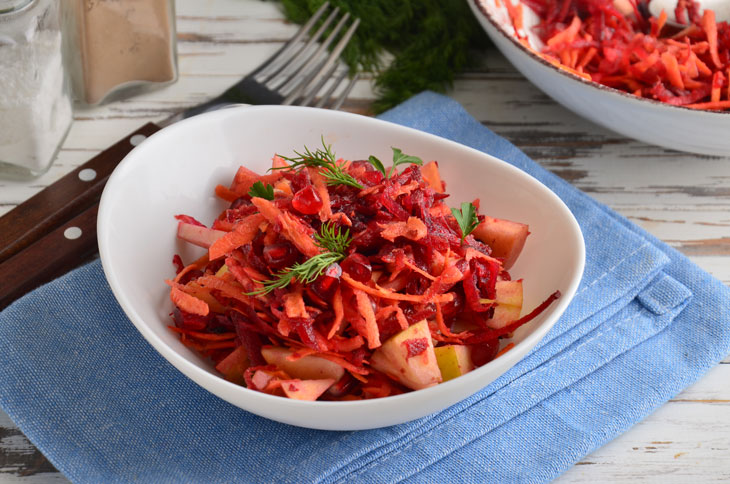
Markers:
103,406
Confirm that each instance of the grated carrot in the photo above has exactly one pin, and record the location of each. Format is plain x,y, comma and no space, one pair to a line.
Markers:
189,304
384,293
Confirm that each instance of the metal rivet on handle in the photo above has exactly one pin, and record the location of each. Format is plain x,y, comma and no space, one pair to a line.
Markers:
87,174
137,139
72,233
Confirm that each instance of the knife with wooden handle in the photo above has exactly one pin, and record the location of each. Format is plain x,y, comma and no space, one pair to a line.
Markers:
33,247
55,230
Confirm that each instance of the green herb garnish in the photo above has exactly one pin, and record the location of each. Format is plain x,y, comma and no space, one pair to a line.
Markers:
260,190
429,41
325,159
466,218
330,239
399,158
306,272
378,165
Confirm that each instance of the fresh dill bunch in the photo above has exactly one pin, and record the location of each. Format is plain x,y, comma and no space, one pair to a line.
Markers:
322,158
430,41
329,238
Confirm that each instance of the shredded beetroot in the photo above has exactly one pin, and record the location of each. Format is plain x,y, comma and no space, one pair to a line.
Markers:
406,262
178,263
636,52
188,220
415,346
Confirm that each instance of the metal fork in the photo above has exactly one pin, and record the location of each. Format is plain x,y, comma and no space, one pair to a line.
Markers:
301,73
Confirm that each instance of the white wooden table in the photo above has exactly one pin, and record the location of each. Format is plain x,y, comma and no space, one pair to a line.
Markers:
682,199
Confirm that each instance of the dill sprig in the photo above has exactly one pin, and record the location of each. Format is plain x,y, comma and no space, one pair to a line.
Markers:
332,240
324,159
466,218
306,272
429,41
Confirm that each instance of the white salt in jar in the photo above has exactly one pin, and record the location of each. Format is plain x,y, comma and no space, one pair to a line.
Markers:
35,100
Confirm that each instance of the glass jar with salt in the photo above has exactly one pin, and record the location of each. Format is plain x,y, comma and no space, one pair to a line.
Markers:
35,100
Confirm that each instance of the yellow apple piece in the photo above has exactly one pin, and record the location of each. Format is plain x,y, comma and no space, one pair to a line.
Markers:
506,238
306,368
453,360
509,303
197,235
233,365
305,389
396,358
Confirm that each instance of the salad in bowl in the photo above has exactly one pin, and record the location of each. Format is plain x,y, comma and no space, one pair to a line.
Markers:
325,304
345,280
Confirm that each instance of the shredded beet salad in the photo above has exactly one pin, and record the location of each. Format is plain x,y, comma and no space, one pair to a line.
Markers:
618,43
328,279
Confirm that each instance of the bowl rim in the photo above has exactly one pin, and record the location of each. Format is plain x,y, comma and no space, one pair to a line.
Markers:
479,4
180,361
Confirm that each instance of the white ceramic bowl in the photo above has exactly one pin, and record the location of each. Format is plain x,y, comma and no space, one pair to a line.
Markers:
175,171
650,121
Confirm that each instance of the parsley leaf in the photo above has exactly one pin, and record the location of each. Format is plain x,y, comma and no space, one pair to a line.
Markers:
260,190
400,158
466,218
378,165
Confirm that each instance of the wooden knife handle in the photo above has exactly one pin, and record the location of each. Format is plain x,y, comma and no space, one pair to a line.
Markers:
49,257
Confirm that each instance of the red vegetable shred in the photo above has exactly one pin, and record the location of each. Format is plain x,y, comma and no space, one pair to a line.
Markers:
629,49
346,280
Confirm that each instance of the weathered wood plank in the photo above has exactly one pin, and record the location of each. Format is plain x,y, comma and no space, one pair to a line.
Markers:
682,199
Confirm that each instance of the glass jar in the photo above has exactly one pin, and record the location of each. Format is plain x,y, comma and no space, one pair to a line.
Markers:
35,100
117,48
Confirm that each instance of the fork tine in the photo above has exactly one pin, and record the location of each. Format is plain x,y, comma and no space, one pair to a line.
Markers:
286,51
324,67
309,96
289,66
301,77
301,71
326,96
340,100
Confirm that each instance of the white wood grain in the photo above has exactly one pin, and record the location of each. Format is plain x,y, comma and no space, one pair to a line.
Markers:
682,199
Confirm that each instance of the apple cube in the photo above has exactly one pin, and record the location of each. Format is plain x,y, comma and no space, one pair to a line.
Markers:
397,358
198,235
454,360
233,365
261,378
305,389
506,238
307,368
509,303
